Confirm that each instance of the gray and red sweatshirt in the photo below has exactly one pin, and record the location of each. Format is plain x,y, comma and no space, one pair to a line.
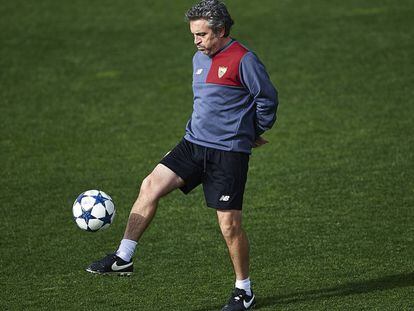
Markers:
234,99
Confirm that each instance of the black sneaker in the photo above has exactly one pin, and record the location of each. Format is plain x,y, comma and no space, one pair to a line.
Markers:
239,301
111,265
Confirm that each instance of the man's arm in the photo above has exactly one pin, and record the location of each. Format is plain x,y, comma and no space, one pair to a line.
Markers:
255,78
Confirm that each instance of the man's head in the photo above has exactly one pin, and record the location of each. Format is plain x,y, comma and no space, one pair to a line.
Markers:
210,23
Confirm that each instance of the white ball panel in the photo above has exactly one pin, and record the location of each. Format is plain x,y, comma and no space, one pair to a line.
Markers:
98,211
112,217
95,224
77,210
81,223
110,207
91,192
87,203
105,195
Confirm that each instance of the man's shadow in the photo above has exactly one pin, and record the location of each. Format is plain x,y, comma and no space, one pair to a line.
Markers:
380,284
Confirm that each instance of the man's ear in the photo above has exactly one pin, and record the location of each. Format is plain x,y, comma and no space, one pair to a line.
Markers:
222,32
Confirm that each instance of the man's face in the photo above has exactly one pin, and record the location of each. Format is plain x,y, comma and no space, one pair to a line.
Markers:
205,39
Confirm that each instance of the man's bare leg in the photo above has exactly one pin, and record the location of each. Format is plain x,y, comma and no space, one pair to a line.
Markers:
160,182
236,239
230,223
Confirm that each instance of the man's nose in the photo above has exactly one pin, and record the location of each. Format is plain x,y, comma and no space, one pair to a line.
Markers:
197,40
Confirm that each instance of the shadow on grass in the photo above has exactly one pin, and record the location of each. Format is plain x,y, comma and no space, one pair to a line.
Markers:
353,288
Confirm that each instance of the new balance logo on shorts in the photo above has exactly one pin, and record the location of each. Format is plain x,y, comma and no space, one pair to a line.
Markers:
224,198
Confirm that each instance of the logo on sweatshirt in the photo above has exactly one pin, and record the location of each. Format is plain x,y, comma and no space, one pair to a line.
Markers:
199,71
221,71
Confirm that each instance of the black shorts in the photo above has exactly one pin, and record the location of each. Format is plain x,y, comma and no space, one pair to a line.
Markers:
223,174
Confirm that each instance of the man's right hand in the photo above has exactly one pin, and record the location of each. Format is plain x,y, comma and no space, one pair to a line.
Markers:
260,141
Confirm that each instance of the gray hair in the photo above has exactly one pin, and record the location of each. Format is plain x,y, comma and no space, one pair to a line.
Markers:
215,12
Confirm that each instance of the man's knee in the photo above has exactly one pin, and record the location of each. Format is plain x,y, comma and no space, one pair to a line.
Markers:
148,188
231,231
160,182
230,225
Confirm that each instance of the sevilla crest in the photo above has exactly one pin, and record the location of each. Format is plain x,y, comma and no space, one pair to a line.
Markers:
221,71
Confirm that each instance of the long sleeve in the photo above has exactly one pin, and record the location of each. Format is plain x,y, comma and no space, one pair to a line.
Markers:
255,78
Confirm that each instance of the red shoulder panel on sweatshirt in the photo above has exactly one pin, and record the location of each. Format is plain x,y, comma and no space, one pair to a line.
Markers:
224,68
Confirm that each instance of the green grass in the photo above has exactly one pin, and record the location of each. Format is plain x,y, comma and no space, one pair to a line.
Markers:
94,93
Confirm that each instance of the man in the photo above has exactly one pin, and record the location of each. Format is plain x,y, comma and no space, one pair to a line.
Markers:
234,103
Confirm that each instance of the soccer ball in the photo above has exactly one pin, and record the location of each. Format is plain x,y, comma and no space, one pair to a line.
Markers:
93,210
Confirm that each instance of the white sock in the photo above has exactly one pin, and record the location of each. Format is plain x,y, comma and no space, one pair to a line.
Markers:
126,249
244,284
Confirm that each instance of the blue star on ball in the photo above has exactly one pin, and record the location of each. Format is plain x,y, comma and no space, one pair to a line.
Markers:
100,199
87,216
106,219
